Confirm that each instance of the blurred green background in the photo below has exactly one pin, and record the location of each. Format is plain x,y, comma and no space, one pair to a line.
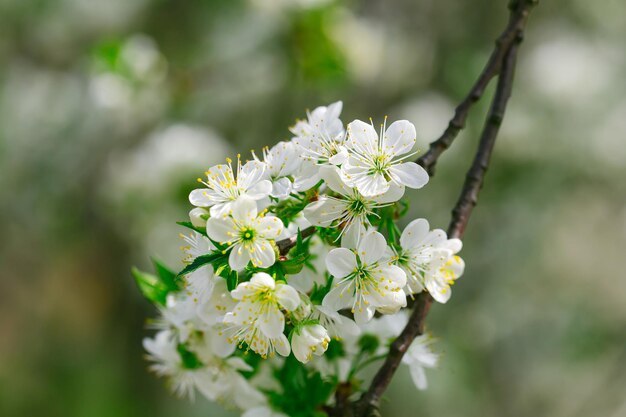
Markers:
109,110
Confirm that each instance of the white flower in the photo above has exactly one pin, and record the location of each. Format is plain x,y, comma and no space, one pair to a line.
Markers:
338,326
420,356
321,135
442,271
249,235
375,163
427,257
162,350
365,281
226,384
282,162
307,340
213,309
257,318
349,209
179,314
262,412
223,189
199,283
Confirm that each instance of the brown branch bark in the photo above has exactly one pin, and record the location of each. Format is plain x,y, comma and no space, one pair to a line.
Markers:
517,21
368,404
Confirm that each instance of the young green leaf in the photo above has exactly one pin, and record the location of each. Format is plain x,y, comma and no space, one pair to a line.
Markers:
152,288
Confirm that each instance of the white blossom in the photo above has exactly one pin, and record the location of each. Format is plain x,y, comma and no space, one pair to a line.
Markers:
418,357
365,281
428,258
248,234
348,209
376,162
321,136
282,161
257,318
338,326
224,188
162,351
308,340
225,383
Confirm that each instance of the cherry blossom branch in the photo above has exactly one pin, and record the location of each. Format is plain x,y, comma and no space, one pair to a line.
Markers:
368,404
517,21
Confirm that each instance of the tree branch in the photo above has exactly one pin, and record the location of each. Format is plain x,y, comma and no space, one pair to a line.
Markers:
467,200
517,21
286,244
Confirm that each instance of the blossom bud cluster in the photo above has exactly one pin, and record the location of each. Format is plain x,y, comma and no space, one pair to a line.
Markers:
242,317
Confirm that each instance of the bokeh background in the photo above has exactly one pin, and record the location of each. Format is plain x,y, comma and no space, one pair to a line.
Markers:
109,110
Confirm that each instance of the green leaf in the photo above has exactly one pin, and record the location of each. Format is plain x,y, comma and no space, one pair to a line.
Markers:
152,288
167,276
304,391
189,225
201,261
188,358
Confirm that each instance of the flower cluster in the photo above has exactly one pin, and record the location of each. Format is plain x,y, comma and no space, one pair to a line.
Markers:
253,324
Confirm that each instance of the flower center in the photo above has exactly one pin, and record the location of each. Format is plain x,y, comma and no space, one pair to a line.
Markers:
357,206
380,164
246,234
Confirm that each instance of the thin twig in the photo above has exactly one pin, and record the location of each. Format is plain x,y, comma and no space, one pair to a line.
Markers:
517,21
460,216
286,244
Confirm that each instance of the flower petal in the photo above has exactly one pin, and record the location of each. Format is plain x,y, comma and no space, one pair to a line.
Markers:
362,137
410,174
202,197
244,209
399,138
363,314
418,376
251,173
372,248
260,190
287,297
339,297
414,233
281,344
324,211
270,227
263,279
238,258
263,255
371,185
393,194
340,262
220,229
272,322
281,188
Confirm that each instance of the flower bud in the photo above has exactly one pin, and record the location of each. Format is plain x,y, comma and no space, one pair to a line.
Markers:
308,340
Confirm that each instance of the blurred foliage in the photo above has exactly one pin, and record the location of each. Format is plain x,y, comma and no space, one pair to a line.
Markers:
109,111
